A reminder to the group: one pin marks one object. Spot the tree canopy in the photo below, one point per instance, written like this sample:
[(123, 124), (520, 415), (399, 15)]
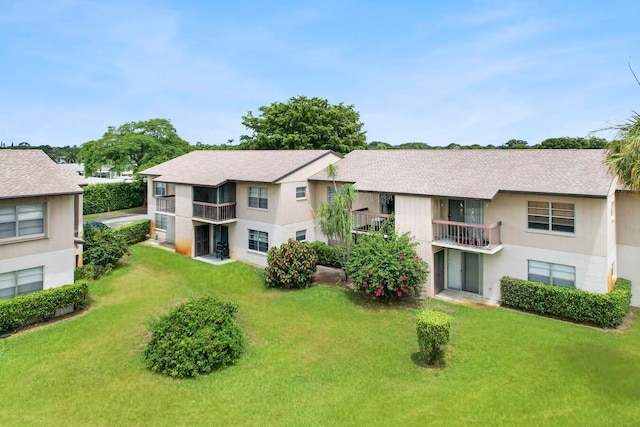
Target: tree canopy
[(134, 146), (623, 157), (304, 123), (568, 142)]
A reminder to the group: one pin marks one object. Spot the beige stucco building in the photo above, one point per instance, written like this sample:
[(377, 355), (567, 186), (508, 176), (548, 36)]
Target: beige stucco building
[(40, 223), (554, 216), (237, 202)]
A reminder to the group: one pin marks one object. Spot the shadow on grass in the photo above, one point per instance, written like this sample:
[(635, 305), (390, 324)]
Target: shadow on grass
[(420, 361), (364, 300)]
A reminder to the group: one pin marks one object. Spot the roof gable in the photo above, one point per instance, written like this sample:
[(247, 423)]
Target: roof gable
[(213, 168), (25, 173)]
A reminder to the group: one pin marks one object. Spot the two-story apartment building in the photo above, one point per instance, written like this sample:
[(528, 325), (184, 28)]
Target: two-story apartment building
[(242, 201), (478, 215), (40, 223)]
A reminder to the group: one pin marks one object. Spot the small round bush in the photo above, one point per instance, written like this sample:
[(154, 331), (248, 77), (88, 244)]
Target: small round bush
[(196, 337), (292, 265), (433, 328)]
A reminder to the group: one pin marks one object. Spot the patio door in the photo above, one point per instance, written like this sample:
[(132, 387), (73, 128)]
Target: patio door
[(463, 271), (438, 266), (202, 240)]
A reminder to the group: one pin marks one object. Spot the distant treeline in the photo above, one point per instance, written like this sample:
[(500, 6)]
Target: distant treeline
[(70, 154), (562, 142)]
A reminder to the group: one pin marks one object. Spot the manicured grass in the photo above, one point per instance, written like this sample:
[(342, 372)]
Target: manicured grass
[(318, 356), (111, 214)]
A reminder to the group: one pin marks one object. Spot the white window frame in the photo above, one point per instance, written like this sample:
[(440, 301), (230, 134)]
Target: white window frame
[(258, 197), (301, 193), (551, 215), (159, 189), (301, 235), (552, 274), (160, 218), (14, 280), (258, 241), (23, 213)]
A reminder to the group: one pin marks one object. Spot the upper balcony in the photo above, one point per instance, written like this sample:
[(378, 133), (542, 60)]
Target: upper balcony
[(166, 204), (215, 204), (215, 212), (480, 238), (365, 221)]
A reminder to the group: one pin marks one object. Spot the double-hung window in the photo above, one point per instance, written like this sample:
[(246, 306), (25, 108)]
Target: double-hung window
[(301, 192), (258, 197), (21, 220), (21, 282), (258, 241), (161, 221), (552, 274), (160, 189), (331, 193), (551, 216)]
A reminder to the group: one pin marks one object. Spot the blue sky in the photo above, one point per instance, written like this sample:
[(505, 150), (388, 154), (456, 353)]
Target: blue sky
[(469, 72)]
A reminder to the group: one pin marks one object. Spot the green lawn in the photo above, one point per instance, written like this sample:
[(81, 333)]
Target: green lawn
[(315, 357)]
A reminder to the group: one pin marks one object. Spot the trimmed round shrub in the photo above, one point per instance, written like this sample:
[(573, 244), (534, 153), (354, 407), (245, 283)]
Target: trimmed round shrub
[(196, 337), (386, 265), (291, 265), (433, 328)]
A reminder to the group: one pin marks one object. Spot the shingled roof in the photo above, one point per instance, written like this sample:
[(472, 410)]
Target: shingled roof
[(477, 174), (25, 173), (213, 168)]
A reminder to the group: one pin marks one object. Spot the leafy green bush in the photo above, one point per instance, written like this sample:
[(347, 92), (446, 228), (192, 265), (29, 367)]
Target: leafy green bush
[(134, 232), (330, 256), (103, 248), (194, 338), (604, 310), (17, 312), (99, 198), (386, 265), (433, 329), (292, 265)]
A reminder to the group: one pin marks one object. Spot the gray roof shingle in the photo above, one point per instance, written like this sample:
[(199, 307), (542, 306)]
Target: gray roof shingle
[(478, 174), (25, 173), (213, 168)]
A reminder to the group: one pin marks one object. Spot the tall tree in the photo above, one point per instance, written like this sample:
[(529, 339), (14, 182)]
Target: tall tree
[(134, 146), (623, 157), (304, 123)]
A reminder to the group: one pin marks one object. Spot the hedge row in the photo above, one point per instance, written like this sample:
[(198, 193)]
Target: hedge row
[(134, 232), (99, 198), (604, 310), (23, 310)]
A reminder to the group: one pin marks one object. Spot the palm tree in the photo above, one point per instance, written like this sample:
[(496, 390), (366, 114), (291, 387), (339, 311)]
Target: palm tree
[(623, 157), (334, 217)]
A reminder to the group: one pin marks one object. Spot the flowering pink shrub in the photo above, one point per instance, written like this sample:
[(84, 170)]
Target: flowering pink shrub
[(292, 265), (386, 265)]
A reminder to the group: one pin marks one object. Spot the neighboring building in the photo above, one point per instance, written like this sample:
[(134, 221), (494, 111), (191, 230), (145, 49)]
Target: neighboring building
[(244, 201), (479, 215), (40, 223)]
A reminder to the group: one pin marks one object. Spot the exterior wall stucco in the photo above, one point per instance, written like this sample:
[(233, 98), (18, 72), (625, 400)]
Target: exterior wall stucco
[(58, 265)]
